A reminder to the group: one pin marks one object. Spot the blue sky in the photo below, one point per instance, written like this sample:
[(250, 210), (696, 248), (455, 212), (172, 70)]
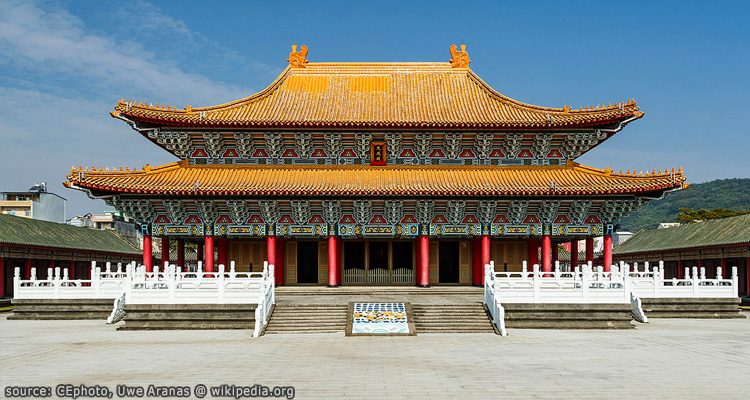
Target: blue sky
[(63, 65)]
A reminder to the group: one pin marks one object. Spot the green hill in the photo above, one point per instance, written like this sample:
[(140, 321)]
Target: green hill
[(733, 194)]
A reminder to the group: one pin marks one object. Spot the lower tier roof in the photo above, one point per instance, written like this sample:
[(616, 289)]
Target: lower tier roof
[(182, 178)]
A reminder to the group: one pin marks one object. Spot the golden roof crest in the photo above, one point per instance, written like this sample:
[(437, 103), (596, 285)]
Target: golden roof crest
[(459, 59), (298, 59)]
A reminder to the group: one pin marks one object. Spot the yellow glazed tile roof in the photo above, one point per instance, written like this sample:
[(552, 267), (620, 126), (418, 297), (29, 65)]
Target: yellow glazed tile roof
[(378, 95), (181, 178)]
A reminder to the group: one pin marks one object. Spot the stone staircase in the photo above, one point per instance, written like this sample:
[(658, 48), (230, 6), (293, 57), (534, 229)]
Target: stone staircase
[(568, 316), (188, 316), (308, 318), (451, 318), (61, 309), (692, 308)]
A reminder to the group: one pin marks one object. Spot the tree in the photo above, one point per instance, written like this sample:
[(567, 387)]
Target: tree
[(687, 215)]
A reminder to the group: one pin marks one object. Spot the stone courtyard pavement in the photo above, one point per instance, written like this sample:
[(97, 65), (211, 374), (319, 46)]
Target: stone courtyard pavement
[(666, 359)]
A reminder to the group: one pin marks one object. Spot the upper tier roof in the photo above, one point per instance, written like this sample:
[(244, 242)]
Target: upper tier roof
[(436, 95), (184, 179)]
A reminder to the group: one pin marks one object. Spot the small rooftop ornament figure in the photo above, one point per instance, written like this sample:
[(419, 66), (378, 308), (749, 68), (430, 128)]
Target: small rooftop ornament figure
[(298, 59), (459, 59)]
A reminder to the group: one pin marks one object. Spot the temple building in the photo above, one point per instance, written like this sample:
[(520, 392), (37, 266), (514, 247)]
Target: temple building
[(376, 173)]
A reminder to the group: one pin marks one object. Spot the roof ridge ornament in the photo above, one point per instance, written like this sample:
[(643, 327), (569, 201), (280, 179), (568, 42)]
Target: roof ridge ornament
[(298, 59), (459, 59)]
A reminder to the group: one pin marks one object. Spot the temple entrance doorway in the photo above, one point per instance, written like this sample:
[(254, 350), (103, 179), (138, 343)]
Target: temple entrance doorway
[(378, 262), (307, 262), (448, 262)]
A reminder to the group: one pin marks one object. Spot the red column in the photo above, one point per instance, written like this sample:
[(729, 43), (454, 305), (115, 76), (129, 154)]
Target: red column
[(181, 253), (573, 255), (589, 249), (278, 268), (476, 262), (333, 265), (209, 243), (423, 263), (546, 253), (2, 277), (223, 245), (724, 272), (164, 251), (271, 250), (607, 252), (148, 259), (533, 256), (72, 269), (485, 253), (680, 270), (747, 276)]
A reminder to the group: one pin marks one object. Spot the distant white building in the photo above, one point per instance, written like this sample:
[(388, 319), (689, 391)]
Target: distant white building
[(35, 203), (112, 220)]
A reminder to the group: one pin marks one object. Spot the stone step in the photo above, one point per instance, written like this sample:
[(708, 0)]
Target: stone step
[(186, 316), (697, 315), (63, 308), (279, 331), (551, 324), (70, 315), (285, 322), (187, 325), (66, 309), (297, 311), (692, 308), (455, 329), (594, 316)]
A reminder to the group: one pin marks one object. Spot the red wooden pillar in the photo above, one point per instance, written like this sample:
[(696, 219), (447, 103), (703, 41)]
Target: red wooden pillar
[(148, 259), (72, 269), (747, 276), (607, 252), (271, 250), (533, 255), (209, 243), (423, 262), (27, 269), (2, 277), (181, 253), (589, 249), (680, 270), (546, 253), (164, 251), (485, 253), (476, 262), (724, 272), (333, 264), (278, 268), (573, 255), (223, 246)]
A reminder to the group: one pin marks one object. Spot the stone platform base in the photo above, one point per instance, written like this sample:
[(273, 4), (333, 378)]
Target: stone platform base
[(568, 316), (692, 308), (62, 309), (188, 316)]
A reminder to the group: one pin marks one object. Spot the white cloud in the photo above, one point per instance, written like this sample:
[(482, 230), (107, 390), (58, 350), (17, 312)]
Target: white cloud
[(44, 39), (50, 120)]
